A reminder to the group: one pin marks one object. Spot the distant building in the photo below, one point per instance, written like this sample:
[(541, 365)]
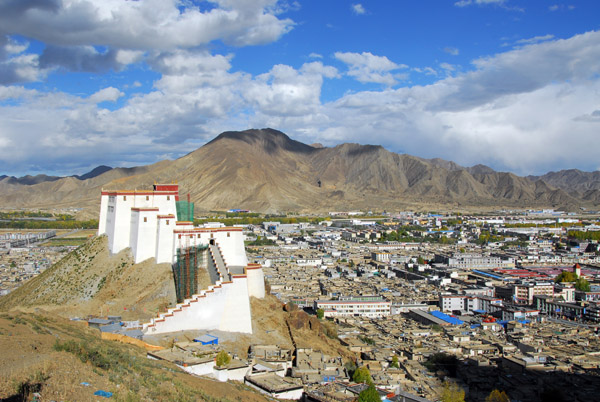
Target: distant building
[(364, 306)]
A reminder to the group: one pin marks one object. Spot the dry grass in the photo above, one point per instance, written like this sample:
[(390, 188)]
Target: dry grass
[(31, 358)]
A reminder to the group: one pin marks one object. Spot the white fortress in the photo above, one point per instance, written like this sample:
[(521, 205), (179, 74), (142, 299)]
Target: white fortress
[(147, 223)]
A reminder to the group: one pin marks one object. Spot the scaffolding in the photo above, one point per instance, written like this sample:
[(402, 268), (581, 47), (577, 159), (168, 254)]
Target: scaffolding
[(185, 210), (185, 270)]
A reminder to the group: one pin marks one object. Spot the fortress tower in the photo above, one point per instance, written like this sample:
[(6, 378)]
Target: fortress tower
[(156, 224)]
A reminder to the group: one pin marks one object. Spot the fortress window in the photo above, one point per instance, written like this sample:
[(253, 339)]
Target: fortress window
[(147, 198), (211, 236), (145, 219), (167, 222), (124, 198), (228, 234), (168, 197)]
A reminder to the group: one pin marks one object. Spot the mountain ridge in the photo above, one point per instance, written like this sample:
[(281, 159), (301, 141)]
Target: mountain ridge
[(265, 170)]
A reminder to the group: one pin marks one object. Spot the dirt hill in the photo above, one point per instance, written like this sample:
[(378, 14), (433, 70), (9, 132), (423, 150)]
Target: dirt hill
[(90, 281), (66, 361), (264, 170)]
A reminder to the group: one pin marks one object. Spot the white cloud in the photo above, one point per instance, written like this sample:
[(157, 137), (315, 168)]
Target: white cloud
[(315, 56), (464, 3), (535, 39), (109, 94), (451, 50), (366, 67), (150, 24), (516, 110), (358, 9)]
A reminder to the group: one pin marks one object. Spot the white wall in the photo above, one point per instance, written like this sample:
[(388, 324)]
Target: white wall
[(225, 307), (142, 239), (256, 281), (103, 212), (165, 239)]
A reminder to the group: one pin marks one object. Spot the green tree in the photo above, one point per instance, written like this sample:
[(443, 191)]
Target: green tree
[(369, 395), (420, 260), (497, 396), (395, 363), (362, 375), (566, 276), (452, 393), (223, 359), (583, 285), (320, 313)]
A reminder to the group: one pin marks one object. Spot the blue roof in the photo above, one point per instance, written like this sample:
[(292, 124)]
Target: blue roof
[(488, 274), (446, 317)]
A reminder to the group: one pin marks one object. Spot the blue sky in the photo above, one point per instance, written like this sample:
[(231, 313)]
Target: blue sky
[(511, 84)]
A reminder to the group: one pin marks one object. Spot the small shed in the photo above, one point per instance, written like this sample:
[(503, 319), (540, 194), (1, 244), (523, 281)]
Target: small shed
[(207, 339)]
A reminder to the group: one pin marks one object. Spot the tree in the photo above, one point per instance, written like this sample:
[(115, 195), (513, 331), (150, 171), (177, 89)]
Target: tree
[(369, 395), (395, 363), (420, 260), (497, 396), (320, 313), (566, 276), (583, 285), (362, 375), (452, 393), (223, 359)]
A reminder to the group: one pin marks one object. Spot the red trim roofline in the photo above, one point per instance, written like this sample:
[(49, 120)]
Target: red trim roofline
[(145, 209), (207, 230), (141, 193)]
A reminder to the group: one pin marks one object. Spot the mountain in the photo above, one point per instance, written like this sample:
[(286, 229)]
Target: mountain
[(97, 171), (265, 170), (41, 178)]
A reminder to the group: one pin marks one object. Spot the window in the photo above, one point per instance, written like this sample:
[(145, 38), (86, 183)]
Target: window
[(228, 234), (168, 197), (145, 219), (167, 222), (124, 198), (147, 198)]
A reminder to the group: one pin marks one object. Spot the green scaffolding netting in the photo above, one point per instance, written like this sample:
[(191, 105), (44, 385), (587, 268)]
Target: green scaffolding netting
[(185, 271), (185, 211)]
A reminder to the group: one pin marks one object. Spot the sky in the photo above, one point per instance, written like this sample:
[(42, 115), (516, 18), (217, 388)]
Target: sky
[(512, 84)]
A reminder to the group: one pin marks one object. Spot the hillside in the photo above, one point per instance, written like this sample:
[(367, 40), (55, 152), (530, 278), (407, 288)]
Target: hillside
[(91, 281), (45, 352), (266, 171), (57, 358)]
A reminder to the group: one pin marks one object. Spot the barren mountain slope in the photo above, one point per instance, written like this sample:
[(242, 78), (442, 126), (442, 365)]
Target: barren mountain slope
[(264, 170)]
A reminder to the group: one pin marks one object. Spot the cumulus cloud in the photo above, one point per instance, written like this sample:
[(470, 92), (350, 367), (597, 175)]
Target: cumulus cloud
[(358, 9), (151, 24), (501, 112), (366, 67), (15, 66)]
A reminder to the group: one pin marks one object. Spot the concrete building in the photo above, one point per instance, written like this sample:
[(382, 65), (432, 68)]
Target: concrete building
[(364, 306)]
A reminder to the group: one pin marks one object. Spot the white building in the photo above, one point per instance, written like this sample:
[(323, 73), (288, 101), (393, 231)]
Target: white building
[(147, 223), (362, 306)]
